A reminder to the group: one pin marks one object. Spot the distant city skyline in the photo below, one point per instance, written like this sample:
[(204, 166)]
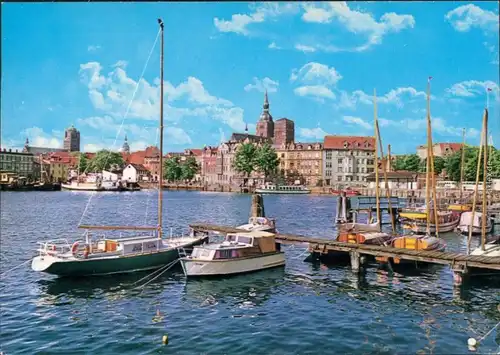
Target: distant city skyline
[(216, 74)]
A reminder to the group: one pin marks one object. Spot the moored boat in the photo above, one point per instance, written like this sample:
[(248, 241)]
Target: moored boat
[(417, 221), (282, 189), (262, 224), (348, 192), (109, 256), (238, 253), (466, 223)]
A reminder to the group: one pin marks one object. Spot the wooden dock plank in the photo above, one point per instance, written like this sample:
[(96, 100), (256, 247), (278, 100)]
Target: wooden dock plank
[(328, 244)]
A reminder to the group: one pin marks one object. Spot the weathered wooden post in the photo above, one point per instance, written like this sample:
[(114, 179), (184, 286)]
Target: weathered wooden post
[(257, 209)]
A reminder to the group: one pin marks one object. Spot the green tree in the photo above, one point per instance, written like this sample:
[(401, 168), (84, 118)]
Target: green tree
[(399, 163), (83, 161), (104, 160), (189, 168), (172, 169), (412, 162), (439, 165), (267, 160), (245, 160)]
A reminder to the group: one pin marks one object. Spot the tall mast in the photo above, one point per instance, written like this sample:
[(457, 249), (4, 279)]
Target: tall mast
[(462, 166), (377, 194), (384, 167), (431, 164), (485, 172), (428, 161), (474, 200), (160, 180)]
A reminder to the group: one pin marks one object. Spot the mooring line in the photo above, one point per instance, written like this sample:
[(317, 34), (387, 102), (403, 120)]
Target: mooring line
[(15, 267), (166, 268)]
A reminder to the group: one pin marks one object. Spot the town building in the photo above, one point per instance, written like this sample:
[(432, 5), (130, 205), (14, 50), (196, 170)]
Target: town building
[(208, 165), (348, 160), (406, 180), (39, 150), (265, 125), (303, 161), (72, 139), (439, 150), (284, 132), (135, 173), (23, 164)]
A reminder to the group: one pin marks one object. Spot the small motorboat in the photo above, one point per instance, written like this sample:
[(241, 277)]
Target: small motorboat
[(466, 223), (262, 224), (348, 192), (238, 253)]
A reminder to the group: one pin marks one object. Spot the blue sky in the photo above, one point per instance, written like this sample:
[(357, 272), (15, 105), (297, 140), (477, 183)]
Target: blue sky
[(79, 63)]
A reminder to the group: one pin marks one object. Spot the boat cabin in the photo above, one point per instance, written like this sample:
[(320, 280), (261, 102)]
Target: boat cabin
[(238, 245)]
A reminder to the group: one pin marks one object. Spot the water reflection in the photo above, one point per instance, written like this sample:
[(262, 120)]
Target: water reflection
[(245, 290)]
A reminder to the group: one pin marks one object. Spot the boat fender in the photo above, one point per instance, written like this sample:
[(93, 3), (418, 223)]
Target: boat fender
[(164, 339), (74, 248)]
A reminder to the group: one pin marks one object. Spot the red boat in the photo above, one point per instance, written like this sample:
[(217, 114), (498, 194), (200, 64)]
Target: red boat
[(348, 192)]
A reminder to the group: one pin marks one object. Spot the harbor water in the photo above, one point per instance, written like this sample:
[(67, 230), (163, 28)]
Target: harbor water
[(303, 308)]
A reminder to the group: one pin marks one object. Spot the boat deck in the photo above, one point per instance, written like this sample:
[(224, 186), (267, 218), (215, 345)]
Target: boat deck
[(457, 261)]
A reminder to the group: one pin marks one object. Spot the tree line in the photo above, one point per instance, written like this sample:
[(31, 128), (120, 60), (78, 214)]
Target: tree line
[(451, 164), (251, 158)]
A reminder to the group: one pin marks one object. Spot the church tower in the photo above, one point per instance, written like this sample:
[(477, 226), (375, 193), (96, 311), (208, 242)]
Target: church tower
[(265, 125), (125, 146)]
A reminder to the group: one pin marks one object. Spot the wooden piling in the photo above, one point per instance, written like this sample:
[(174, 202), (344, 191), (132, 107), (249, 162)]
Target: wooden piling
[(257, 209)]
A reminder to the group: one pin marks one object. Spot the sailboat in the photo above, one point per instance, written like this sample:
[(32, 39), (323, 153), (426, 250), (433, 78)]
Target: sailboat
[(492, 248), (433, 221), (420, 220), (110, 256), (371, 232)]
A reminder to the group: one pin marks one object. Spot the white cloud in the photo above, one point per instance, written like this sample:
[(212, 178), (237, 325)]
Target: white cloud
[(304, 48), (357, 122), (38, 138), (316, 133), (111, 94), (121, 63), (318, 79), (356, 22), (473, 88), (394, 97), (262, 85), (93, 48), (465, 17), (264, 11), (317, 91), (273, 45), (316, 73)]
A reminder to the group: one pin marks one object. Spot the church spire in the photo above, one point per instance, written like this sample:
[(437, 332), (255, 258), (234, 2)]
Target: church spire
[(266, 116)]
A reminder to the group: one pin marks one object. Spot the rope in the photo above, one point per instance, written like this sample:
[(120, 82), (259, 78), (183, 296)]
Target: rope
[(15, 267), (484, 337), (167, 267), (124, 117)]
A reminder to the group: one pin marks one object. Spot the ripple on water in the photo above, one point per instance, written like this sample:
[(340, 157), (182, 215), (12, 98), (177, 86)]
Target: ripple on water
[(301, 309)]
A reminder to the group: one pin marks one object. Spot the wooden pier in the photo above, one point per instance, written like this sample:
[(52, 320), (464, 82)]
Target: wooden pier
[(459, 263)]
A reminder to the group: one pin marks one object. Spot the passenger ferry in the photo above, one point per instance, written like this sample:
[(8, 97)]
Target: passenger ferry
[(282, 189)]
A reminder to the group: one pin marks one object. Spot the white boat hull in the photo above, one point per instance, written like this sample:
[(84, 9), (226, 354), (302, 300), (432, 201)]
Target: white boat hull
[(81, 187), (196, 267), (297, 192), (475, 229)]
